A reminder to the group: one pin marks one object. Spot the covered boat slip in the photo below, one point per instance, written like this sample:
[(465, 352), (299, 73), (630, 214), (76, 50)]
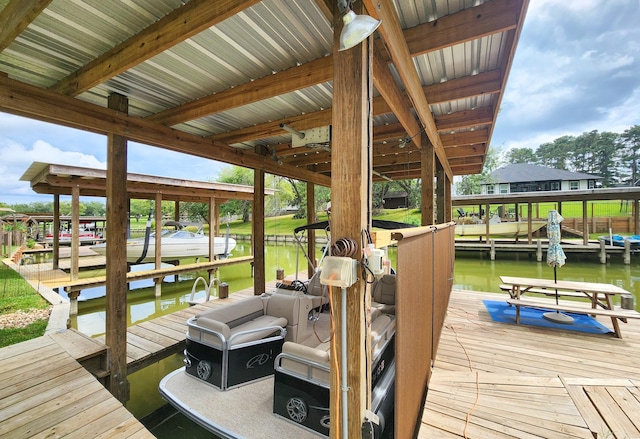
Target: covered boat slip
[(430, 116)]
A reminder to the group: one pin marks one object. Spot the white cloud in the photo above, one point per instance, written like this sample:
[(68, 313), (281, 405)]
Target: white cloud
[(16, 159)]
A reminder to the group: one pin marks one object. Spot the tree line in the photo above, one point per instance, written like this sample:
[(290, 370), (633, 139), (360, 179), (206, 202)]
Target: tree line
[(614, 157)]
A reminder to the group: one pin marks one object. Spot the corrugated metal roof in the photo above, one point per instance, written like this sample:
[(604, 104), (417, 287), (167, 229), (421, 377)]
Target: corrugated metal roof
[(264, 39)]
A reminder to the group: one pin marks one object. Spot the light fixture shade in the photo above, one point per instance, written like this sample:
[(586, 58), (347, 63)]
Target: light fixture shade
[(356, 29)]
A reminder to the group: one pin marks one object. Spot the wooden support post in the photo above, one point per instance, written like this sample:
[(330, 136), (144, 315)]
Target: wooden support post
[(529, 215), (636, 217), (216, 220), (585, 223), (257, 220), (447, 198), (116, 276), (311, 234), (73, 302), (627, 252), (487, 218), (75, 232), (603, 252), (56, 231), (158, 242), (212, 229), (427, 169), (539, 250), (351, 156), (492, 252), (440, 191)]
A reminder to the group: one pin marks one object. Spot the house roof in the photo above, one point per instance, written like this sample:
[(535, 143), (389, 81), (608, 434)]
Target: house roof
[(524, 172), (217, 79)]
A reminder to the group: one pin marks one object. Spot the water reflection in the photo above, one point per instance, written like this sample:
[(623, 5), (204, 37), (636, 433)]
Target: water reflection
[(482, 274), (475, 273)]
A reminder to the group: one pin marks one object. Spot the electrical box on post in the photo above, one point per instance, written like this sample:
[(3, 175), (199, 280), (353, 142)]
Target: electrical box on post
[(339, 271)]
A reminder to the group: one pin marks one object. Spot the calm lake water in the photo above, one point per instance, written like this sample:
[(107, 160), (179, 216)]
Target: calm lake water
[(473, 272)]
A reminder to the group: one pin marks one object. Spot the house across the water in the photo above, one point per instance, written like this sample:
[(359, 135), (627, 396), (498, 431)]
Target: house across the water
[(524, 177)]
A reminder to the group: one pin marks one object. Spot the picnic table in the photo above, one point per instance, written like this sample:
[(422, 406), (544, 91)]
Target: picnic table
[(599, 295)]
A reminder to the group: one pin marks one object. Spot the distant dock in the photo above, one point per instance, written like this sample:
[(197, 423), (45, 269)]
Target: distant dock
[(538, 249)]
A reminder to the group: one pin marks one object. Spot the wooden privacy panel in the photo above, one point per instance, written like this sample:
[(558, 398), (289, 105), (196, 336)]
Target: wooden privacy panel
[(444, 248), (423, 285)]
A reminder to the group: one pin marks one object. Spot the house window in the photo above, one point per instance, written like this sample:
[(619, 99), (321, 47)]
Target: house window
[(489, 188), (592, 184), (574, 185), (504, 188), (555, 185)]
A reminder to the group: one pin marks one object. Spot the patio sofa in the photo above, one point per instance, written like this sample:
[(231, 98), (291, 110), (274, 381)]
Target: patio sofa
[(237, 343), (302, 378)]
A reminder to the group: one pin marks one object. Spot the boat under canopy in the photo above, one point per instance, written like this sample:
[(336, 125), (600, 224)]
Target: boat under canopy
[(174, 244), (504, 229)]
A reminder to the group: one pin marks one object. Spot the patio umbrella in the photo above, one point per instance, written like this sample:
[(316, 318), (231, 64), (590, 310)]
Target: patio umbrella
[(555, 258)]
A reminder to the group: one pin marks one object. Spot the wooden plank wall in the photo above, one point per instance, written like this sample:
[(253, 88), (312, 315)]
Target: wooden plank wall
[(425, 265)]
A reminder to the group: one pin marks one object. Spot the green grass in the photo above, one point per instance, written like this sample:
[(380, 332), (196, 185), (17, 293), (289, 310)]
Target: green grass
[(570, 209), (9, 336), (15, 295)]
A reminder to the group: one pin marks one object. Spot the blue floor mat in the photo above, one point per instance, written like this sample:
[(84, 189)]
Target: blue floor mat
[(503, 313)]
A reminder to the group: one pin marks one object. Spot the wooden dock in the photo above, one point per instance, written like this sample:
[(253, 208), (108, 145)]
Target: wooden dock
[(505, 381), (489, 380), (81, 284), (45, 392), (539, 251)]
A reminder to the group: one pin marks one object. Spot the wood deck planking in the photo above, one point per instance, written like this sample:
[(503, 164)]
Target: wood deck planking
[(542, 382), (532, 382)]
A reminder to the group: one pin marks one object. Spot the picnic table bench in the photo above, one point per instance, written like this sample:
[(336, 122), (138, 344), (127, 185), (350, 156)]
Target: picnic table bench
[(600, 296)]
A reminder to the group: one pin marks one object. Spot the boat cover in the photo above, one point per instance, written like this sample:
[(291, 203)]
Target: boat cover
[(380, 224)]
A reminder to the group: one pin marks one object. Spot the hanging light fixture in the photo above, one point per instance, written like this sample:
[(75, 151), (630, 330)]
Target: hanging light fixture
[(356, 27)]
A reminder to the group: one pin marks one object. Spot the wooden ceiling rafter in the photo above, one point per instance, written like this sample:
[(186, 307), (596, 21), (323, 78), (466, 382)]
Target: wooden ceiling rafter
[(19, 98), (184, 22), (391, 32), (16, 16)]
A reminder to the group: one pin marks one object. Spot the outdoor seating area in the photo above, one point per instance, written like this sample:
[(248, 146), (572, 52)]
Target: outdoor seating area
[(504, 381), (302, 372), (223, 344), (599, 295)]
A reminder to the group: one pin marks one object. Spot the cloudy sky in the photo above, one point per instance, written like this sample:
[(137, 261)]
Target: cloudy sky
[(576, 69)]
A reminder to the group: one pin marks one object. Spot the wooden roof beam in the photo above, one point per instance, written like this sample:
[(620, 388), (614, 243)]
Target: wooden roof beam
[(468, 86), (26, 100), (392, 33), (177, 26), (465, 161), (469, 24), (290, 80), (398, 102), (466, 138), (461, 88), (464, 119), (282, 82), (479, 149), (468, 170), (272, 128), (16, 16)]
